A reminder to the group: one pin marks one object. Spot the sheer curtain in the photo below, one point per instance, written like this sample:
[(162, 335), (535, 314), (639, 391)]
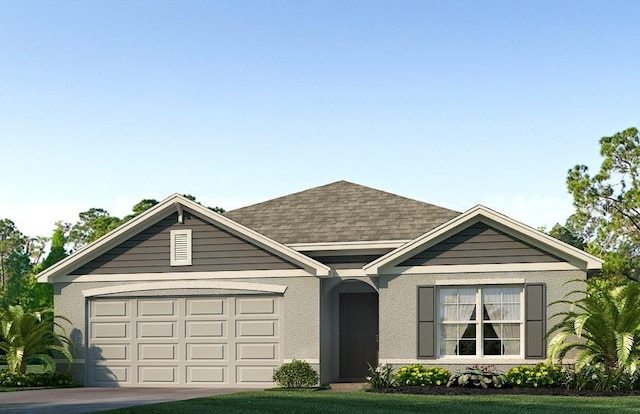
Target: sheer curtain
[(457, 306), (503, 304)]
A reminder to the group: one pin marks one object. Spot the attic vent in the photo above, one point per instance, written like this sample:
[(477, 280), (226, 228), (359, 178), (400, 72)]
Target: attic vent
[(181, 247)]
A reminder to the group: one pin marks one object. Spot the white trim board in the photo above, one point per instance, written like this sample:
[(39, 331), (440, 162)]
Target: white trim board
[(140, 277), (184, 284)]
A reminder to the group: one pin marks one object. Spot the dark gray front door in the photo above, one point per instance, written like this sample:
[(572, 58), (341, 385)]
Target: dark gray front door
[(358, 334)]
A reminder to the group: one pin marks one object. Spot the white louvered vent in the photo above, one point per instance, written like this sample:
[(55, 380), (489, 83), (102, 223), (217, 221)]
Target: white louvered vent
[(181, 247)]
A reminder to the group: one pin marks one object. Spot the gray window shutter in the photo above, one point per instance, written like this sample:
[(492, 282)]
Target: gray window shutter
[(535, 321), (426, 322)]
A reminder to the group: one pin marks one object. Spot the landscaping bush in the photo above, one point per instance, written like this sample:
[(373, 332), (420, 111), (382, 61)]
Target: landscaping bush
[(420, 375), (296, 374), (540, 375), (478, 376), (33, 379), (380, 377)]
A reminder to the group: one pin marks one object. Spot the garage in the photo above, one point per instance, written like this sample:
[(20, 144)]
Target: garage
[(194, 341)]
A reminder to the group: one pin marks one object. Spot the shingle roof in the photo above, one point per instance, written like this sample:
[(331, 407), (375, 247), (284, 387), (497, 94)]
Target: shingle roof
[(341, 212)]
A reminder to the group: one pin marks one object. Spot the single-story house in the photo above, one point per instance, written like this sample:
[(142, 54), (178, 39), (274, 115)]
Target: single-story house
[(340, 276)]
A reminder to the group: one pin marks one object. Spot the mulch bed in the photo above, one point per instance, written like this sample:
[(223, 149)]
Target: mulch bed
[(431, 390)]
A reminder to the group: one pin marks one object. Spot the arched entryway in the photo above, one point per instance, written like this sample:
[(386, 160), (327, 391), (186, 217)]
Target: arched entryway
[(357, 304)]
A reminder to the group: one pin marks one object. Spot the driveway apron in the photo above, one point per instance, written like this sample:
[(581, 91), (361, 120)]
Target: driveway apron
[(92, 399)]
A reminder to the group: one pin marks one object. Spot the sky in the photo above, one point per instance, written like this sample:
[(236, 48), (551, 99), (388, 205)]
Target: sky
[(455, 103)]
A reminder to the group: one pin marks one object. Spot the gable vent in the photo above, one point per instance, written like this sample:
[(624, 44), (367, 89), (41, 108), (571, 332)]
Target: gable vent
[(181, 247)]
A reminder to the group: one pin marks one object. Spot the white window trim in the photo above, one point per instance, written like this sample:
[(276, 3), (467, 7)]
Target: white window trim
[(479, 322), (187, 261)]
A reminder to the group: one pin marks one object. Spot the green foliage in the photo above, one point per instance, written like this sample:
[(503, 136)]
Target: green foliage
[(12, 247), (608, 203), (541, 375), (93, 224), (380, 377), (478, 376), (29, 337), (296, 374), (602, 327), (35, 379), (420, 375)]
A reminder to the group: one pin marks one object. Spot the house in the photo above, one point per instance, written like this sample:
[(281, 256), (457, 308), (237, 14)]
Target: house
[(340, 276)]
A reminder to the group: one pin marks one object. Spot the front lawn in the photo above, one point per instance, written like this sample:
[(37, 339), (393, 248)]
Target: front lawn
[(362, 402)]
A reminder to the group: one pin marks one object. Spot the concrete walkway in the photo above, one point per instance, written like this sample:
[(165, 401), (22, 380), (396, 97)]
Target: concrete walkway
[(91, 399)]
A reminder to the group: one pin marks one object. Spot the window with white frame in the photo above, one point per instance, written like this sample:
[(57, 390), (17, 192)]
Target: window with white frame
[(480, 321)]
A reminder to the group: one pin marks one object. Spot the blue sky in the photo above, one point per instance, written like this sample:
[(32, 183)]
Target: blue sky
[(455, 103)]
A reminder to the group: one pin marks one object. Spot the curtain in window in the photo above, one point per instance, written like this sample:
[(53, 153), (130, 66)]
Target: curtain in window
[(503, 304), (457, 306)]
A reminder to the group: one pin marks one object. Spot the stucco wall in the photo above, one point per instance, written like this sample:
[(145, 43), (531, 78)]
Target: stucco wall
[(300, 314), (398, 310)]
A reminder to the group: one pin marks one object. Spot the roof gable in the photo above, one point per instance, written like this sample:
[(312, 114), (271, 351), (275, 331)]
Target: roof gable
[(530, 237), (180, 205), (341, 212)]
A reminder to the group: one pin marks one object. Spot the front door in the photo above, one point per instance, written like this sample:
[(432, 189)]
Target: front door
[(358, 334)]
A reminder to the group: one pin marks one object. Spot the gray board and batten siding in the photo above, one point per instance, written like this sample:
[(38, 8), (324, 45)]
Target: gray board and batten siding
[(213, 249), (480, 244)]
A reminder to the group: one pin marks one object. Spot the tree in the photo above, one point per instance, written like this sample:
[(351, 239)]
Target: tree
[(608, 203), (218, 210), (93, 224), (28, 337), (12, 243)]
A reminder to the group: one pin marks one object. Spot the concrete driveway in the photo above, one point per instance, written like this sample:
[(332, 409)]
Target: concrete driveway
[(91, 399)]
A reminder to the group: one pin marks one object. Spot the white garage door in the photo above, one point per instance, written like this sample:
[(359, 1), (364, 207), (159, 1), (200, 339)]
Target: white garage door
[(187, 341)]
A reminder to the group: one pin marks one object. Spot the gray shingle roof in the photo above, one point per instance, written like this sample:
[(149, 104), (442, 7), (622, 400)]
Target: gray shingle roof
[(341, 212)]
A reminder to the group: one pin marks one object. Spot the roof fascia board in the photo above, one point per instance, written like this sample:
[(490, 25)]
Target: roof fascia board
[(156, 213), (576, 256)]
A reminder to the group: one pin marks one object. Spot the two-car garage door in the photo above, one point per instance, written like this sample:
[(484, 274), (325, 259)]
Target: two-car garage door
[(188, 341)]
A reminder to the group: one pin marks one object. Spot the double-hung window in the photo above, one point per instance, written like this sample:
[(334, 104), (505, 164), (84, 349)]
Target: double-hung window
[(480, 321)]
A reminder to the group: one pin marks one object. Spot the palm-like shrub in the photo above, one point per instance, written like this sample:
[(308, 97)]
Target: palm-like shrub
[(602, 328), (29, 337)]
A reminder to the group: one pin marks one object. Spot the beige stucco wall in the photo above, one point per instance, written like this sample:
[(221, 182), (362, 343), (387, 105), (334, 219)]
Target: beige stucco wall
[(398, 310), (300, 314)]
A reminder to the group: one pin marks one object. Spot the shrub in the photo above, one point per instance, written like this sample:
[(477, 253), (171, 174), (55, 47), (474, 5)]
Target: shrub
[(28, 337), (296, 374), (420, 375), (597, 377), (540, 375), (32, 379), (380, 377), (478, 376)]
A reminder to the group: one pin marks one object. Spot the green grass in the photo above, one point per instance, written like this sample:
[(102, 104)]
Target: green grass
[(371, 403)]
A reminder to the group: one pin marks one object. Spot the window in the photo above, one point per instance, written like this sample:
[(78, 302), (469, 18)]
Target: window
[(181, 247), (480, 321)]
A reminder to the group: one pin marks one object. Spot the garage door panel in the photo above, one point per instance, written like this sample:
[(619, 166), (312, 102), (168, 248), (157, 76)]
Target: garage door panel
[(110, 330), (148, 352), (157, 374), (204, 375), (112, 308), (206, 329), (206, 307), (255, 306), (253, 351), (252, 328), (108, 375), (116, 352), (156, 330), (213, 352), (156, 308), (254, 374)]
